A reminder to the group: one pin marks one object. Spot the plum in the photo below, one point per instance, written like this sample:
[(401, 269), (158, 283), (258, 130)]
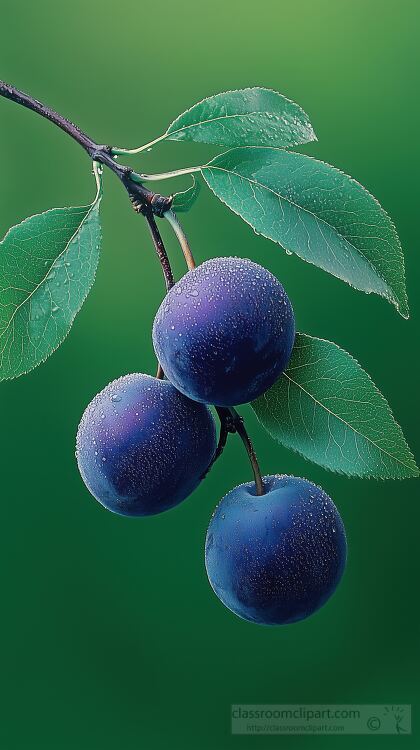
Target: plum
[(225, 332), (142, 446), (275, 559)]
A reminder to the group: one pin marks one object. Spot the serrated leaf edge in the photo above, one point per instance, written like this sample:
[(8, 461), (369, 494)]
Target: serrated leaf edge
[(401, 305), (90, 208), (413, 469), (311, 131)]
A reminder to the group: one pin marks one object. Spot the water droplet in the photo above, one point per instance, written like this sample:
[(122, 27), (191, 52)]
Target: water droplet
[(115, 397)]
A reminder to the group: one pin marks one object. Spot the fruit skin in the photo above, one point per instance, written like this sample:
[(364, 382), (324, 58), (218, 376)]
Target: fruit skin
[(277, 558), (225, 332), (142, 446)]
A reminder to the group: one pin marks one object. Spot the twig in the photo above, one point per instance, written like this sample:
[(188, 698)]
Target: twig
[(132, 181)]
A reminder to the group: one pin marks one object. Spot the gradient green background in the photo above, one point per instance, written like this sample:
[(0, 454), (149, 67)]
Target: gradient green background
[(110, 635)]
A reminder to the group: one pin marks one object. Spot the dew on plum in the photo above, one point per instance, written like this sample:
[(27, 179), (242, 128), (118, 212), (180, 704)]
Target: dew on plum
[(142, 447), (225, 332), (277, 558)]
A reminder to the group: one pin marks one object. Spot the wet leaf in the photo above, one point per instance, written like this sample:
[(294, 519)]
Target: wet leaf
[(47, 267), (326, 407), (315, 211), (248, 117)]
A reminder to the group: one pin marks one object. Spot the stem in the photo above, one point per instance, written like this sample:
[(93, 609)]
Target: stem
[(164, 263), (97, 171), (169, 175), (225, 429), (182, 238), (97, 152), (147, 146), (238, 423), (160, 250)]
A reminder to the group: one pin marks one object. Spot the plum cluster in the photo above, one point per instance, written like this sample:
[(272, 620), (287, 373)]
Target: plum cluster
[(223, 335)]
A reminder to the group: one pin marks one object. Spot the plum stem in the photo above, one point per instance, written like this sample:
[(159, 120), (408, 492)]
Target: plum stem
[(225, 429), (164, 264), (160, 249), (239, 425), (181, 237)]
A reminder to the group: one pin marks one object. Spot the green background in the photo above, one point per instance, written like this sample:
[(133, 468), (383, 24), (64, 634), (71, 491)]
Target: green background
[(110, 634)]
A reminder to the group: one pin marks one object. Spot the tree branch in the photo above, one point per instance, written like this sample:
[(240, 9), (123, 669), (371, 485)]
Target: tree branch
[(131, 180)]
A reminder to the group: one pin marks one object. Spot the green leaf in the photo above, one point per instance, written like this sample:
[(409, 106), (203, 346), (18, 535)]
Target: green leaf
[(185, 199), (248, 117), (47, 267), (328, 409), (315, 211)]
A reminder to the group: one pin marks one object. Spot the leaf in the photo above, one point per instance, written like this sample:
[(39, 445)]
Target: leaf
[(185, 199), (315, 211), (47, 267), (248, 117), (328, 409)]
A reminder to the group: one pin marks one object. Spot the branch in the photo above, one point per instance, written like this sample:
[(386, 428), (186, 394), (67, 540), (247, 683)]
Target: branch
[(131, 180), (163, 260), (160, 249)]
